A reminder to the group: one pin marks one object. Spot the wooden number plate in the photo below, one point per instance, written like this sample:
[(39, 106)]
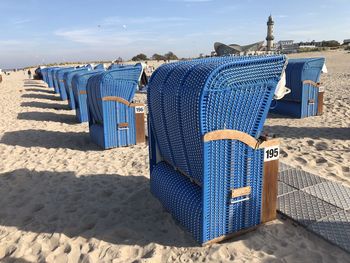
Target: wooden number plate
[(271, 153), (139, 109)]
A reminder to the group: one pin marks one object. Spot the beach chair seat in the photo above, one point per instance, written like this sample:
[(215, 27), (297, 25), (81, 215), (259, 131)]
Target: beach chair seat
[(306, 96), (206, 162), (79, 84), (112, 115)]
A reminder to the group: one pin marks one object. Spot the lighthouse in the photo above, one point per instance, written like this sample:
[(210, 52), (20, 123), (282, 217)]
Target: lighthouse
[(269, 37)]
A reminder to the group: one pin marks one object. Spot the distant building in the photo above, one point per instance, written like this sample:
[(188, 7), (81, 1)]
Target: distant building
[(234, 49), (306, 46), (346, 42), (287, 46), (270, 37)]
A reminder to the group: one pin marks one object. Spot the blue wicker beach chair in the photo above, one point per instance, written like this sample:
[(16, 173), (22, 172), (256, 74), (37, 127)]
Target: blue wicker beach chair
[(50, 77), (68, 76), (206, 162), (55, 79), (79, 83), (99, 67), (44, 74), (111, 111), (61, 81), (306, 97)]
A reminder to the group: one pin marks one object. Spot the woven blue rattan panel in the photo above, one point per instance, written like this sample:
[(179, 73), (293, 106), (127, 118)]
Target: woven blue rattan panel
[(61, 82), (121, 83), (99, 67), (79, 84), (191, 98), (179, 196), (50, 77), (44, 74), (212, 92), (296, 103), (68, 76), (55, 80), (232, 165)]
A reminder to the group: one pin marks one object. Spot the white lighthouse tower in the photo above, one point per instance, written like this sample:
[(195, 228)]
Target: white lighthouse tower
[(270, 37)]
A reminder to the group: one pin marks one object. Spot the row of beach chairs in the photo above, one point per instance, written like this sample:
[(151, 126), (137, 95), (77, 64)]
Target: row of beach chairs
[(210, 165), (104, 98)]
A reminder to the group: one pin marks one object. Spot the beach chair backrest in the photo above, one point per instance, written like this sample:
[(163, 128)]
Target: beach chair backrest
[(189, 99), (299, 70)]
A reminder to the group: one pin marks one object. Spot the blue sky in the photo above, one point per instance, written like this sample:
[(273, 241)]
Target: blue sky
[(44, 31)]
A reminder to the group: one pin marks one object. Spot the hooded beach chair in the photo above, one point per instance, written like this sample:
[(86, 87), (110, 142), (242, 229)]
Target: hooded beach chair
[(61, 81), (206, 158), (306, 96), (55, 79), (79, 83), (68, 77), (44, 74), (50, 77), (112, 115), (99, 67)]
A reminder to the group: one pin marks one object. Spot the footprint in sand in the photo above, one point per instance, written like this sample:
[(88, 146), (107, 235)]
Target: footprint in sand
[(321, 146), (301, 160), (310, 142), (321, 160)]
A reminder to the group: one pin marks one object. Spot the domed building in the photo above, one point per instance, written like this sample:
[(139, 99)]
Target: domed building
[(234, 49), (255, 48)]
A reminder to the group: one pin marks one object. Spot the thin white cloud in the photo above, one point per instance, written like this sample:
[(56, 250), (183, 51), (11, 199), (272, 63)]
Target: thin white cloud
[(117, 20), (281, 16), (21, 21), (108, 37), (197, 1)]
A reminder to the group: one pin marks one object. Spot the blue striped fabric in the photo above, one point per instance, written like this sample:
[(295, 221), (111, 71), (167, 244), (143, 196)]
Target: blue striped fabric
[(61, 81), (188, 99), (68, 76), (99, 67), (50, 77), (104, 116), (296, 104), (44, 73)]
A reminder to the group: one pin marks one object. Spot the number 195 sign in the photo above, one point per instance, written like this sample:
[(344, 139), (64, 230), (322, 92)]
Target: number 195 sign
[(271, 153)]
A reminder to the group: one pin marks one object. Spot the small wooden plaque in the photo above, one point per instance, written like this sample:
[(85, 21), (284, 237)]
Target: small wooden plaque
[(270, 191), (320, 103), (241, 191), (123, 125), (140, 127)]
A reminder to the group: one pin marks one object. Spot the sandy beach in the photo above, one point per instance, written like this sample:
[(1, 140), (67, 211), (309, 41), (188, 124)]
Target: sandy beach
[(63, 199)]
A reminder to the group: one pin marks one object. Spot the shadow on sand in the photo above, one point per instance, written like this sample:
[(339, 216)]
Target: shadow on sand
[(40, 96), (47, 116), (37, 104), (40, 90), (116, 209), (50, 139), (309, 132), (121, 210)]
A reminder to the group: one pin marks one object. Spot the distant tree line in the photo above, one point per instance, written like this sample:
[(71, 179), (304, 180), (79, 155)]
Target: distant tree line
[(324, 43), (168, 56)]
